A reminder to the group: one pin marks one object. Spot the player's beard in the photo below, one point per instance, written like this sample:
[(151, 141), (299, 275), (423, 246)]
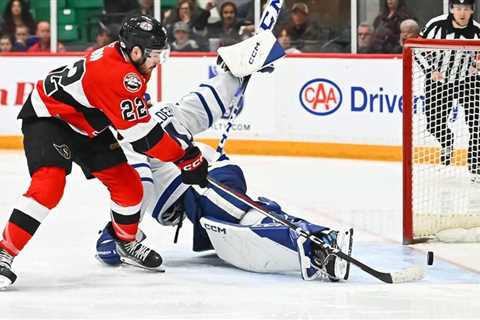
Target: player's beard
[(146, 71)]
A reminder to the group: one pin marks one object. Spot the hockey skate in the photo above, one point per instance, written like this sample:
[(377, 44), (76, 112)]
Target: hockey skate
[(335, 267), (7, 277), (114, 252), (316, 262)]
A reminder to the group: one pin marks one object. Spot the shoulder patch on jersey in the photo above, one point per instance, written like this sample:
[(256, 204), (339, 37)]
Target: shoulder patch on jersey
[(132, 82)]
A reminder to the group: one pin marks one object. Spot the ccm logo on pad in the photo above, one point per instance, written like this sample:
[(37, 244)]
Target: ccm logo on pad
[(215, 228)]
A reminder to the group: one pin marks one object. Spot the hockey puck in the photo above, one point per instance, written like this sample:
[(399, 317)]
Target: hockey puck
[(430, 258)]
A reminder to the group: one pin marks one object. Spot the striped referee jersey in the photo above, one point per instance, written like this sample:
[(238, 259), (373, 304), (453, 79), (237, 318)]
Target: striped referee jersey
[(452, 64)]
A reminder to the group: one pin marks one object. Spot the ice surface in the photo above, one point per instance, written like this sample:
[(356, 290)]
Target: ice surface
[(59, 277)]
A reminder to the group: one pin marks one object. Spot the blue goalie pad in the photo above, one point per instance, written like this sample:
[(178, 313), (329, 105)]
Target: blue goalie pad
[(307, 253)]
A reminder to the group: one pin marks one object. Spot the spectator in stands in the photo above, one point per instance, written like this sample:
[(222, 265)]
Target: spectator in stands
[(364, 36), (6, 44), (227, 29), (195, 17), (387, 26), (21, 37), (43, 35), (182, 42), (304, 33), (408, 29), (17, 13), (285, 41), (144, 7), (106, 34)]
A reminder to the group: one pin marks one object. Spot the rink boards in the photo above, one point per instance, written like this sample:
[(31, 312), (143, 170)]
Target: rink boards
[(347, 106)]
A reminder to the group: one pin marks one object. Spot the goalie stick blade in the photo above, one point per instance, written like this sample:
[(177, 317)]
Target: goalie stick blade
[(409, 274), (414, 273)]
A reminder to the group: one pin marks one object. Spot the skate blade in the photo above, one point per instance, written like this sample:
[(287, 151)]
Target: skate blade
[(134, 264), (5, 283)]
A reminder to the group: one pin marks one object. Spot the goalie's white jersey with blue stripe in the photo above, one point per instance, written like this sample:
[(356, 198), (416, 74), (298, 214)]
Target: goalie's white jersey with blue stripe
[(192, 114)]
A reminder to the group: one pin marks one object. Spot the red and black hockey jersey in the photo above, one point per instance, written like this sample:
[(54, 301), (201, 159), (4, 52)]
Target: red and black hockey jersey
[(100, 90)]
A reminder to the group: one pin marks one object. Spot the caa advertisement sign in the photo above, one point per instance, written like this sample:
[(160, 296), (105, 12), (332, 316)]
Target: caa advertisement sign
[(348, 100), (323, 97), (320, 96)]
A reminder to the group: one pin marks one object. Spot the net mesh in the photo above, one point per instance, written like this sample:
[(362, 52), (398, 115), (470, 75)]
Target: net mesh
[(445, 127)]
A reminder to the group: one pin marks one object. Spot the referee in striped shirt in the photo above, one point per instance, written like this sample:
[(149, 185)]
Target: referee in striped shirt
[(452, 75)]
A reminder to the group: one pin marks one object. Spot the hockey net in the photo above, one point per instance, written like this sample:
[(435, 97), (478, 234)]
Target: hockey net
[(441, 199)]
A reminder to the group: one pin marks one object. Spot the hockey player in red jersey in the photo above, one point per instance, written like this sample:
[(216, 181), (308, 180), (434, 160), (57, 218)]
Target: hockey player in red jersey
[(67, 118)]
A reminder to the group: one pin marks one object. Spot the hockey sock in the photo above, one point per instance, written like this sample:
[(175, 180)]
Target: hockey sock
[(126, 194), (126, 226), (23, 223), (45, 191)]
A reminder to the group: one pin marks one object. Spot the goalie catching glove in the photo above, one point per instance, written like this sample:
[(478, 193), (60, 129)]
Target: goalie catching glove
[(194, 167), (251, 55)]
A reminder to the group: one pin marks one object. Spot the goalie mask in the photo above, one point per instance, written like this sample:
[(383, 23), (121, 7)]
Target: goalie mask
[(146, 33)]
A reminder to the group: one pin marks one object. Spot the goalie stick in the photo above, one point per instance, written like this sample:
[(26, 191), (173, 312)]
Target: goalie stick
[(237, 103), (267, 22), (406, 275)]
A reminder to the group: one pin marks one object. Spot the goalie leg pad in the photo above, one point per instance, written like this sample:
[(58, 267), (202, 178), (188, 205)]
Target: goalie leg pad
[(264, 246), (251, 248), (252, 54)]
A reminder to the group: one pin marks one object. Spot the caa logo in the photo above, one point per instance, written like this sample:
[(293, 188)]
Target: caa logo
[(320, 97)]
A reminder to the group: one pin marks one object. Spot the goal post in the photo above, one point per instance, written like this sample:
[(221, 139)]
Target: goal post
[(439, 158)]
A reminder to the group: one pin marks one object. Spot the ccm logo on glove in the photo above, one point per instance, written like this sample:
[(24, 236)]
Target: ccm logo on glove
[(254, 53), (191, 165), (194, 167)]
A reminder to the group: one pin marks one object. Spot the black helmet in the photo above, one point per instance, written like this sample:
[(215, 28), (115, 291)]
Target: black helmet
[(142, 31), (466, 2)]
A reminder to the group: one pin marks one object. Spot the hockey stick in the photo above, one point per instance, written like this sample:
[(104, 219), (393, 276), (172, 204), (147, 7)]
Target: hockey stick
[(267, 22), (236, 102), (406, 275)]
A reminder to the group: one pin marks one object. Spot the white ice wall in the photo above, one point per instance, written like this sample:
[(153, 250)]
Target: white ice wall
[(324, 98)]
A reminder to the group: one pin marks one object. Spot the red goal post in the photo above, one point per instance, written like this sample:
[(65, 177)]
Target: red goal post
[(435, 197)]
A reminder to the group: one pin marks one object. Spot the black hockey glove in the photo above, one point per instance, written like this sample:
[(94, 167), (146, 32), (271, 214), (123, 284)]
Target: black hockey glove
[(194, 167)]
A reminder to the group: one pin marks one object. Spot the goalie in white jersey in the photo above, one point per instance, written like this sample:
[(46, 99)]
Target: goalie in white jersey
[(240, 235)]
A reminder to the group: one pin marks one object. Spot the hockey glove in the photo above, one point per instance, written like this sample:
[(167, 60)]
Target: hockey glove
[(194, 167)]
